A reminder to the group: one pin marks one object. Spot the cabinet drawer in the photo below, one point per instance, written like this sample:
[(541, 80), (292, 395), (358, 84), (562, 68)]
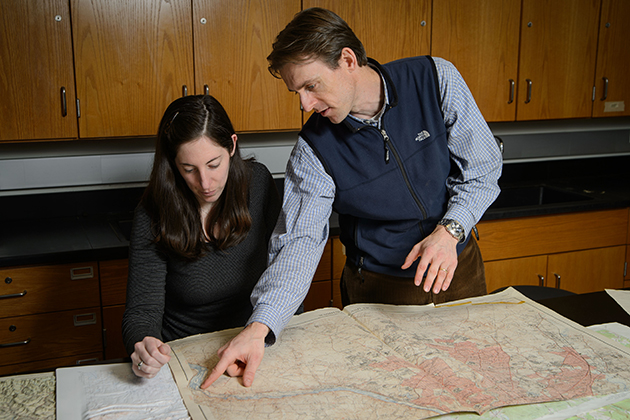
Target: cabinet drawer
[(114, 275), (512, 238), (50, 364), (39, 289), (38, 337)]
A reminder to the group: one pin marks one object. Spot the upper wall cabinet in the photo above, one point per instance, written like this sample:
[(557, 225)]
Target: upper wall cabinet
[(389, 30), (481, 39), (132, 59), (557, 59), (36, 76), (232, 41), (612, 84)]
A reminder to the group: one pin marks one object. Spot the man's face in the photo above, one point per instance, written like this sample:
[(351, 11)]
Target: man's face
[(327, 91)]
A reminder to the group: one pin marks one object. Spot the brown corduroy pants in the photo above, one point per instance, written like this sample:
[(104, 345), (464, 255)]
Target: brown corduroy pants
[(468, 281)]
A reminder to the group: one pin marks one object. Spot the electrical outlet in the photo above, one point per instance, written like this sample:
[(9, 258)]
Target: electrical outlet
[(618, 106)]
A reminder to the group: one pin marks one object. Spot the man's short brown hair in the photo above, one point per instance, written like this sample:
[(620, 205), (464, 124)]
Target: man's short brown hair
[(314, 33)]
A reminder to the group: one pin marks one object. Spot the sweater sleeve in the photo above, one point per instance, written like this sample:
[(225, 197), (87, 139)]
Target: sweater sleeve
[(145, 284)]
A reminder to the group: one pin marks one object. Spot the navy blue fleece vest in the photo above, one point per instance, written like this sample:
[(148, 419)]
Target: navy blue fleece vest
[(390, 183)]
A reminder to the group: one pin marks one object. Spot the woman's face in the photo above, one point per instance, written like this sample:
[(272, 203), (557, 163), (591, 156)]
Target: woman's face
[(204, 165)]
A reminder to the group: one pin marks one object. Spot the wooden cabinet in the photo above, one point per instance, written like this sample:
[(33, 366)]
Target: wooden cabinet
[(554, 55), (580, 252), (232, 41), (132, 59), (481, 39), (324, 289), (113, 275), (50, 317), (36, 76), (389, 30), (587, 271), (612, 85), (526, 271), (338, 263), (557, 59)]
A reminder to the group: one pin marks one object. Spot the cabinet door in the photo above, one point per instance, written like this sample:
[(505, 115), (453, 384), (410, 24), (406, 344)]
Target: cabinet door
[(613, 61), (232, 42), (36, 70), (557, 59), (389, 30), (481, 39), (516, 272), (132, 59), (587, 271)]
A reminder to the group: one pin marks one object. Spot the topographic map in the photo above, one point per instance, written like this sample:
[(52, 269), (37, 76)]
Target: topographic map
[(382, 361)]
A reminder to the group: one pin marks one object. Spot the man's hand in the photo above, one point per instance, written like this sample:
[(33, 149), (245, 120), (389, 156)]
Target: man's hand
[(149, 356), (438, 253), (241, 356)]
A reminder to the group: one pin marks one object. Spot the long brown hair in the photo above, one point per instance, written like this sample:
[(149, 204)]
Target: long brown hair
[(172, 206), (314, 33)]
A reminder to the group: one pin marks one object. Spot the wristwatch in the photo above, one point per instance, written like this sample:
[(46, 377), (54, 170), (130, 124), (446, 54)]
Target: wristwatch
[(453, 227)]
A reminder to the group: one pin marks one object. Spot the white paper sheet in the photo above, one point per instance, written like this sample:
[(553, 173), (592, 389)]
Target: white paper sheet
[(112, 391), (622, 297)]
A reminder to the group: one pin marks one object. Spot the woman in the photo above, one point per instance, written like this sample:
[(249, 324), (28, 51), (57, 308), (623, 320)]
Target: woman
[(199, 237)]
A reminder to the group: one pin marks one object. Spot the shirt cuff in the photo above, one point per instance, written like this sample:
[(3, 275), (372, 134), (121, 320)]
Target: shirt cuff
[(265, 315), (462, 216)]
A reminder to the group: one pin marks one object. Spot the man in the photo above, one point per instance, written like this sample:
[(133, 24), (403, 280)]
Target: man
[(401, 152)]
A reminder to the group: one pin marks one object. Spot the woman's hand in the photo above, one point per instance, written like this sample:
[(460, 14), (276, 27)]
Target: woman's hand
[(149, 356)]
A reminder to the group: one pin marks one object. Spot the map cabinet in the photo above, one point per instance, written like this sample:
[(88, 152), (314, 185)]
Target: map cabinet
[(50, 316), (580, 252)]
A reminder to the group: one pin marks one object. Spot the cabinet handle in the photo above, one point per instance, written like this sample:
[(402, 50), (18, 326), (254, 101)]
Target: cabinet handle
[(75, 273), (14, 295), (184, 90), (557, 280), (86, 361), (605, 79), (206, 90), (512, 87), (88, 319), (541, 280), (17, 343), (64, 104), (529, 91)]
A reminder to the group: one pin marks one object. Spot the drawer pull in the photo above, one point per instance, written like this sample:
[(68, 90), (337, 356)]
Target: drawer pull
[(14, 295), (86, 361), (84, 319), (17, 343), (81, 273)]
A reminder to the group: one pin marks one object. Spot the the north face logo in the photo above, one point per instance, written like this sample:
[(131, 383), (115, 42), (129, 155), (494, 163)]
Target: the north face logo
[(424, 134)]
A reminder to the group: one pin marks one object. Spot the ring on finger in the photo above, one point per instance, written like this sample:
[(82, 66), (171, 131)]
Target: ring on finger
[(140, 363), (444, 269)]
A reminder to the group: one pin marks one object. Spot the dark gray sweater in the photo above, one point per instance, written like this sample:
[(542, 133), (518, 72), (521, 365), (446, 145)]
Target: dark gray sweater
[(169, 298)]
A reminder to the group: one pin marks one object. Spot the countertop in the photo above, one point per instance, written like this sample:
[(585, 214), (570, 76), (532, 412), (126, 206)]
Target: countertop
[(81, 226)]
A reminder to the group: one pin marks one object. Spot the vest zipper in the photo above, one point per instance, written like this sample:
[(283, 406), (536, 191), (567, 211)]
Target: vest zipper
[(390, 146), (385, 143)]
